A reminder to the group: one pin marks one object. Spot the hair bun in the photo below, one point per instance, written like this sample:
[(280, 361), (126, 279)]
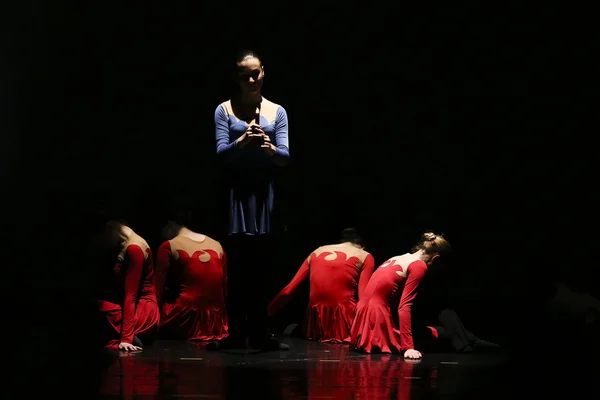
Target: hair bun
[(429, 236)]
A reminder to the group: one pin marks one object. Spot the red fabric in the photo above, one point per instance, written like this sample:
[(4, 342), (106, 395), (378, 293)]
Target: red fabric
[(133, 309), (434, 332), (199, 284), (334, 287), (290, 290), (373, 329), (365, 275)]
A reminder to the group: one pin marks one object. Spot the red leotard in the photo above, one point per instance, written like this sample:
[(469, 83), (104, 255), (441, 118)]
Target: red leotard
[(338, 276), (191, 282), (392, 285)]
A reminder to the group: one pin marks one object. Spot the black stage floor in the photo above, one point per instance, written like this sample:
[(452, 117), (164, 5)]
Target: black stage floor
[(309, 371)]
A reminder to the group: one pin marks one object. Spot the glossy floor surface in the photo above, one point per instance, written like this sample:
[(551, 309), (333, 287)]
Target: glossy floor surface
[(309, 371)]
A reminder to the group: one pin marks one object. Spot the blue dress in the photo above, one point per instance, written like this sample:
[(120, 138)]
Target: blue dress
[(250, 173)]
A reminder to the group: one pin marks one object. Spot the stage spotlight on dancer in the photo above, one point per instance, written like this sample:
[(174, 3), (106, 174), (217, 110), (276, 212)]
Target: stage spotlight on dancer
[(191, 283), (252, 142), (338, 275), (126, 295), (394, 285)]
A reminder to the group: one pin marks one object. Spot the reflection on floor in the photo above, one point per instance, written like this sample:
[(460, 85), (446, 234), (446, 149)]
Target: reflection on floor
[(309, 371)]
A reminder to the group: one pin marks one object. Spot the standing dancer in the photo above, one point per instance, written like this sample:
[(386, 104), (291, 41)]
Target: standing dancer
[(252, 142), (338, 276)]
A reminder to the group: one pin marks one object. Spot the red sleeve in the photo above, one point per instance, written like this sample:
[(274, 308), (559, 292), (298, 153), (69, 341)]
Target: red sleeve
[(224, 262), (134, 263), (163, 263), (365, 274), (415, 272), (286, 294)]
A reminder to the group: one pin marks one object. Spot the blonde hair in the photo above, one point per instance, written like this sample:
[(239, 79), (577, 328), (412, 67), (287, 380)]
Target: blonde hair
[(432, 243)]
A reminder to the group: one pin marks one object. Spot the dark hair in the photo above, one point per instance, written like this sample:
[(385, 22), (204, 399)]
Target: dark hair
[(106, 238), (353, 236), (240, 57), (432, 243), (245, 54), (112, 232), (105, 246), (171, 229), (181, 217)]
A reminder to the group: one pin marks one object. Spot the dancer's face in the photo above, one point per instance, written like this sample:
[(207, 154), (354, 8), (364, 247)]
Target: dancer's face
[(250, 75)]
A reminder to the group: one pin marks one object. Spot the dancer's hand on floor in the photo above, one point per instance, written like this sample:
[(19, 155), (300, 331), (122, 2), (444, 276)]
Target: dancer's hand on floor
[(128, 347), (412, 354)]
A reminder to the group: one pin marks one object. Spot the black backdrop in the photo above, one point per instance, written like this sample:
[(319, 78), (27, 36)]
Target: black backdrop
[(399, 122)]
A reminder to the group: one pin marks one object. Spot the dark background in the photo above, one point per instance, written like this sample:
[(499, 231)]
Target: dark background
[(401, 121)]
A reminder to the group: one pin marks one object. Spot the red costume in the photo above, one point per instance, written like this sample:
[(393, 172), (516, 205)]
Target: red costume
[(191, 282), (392, 285), (129, 304), (338, 277)]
